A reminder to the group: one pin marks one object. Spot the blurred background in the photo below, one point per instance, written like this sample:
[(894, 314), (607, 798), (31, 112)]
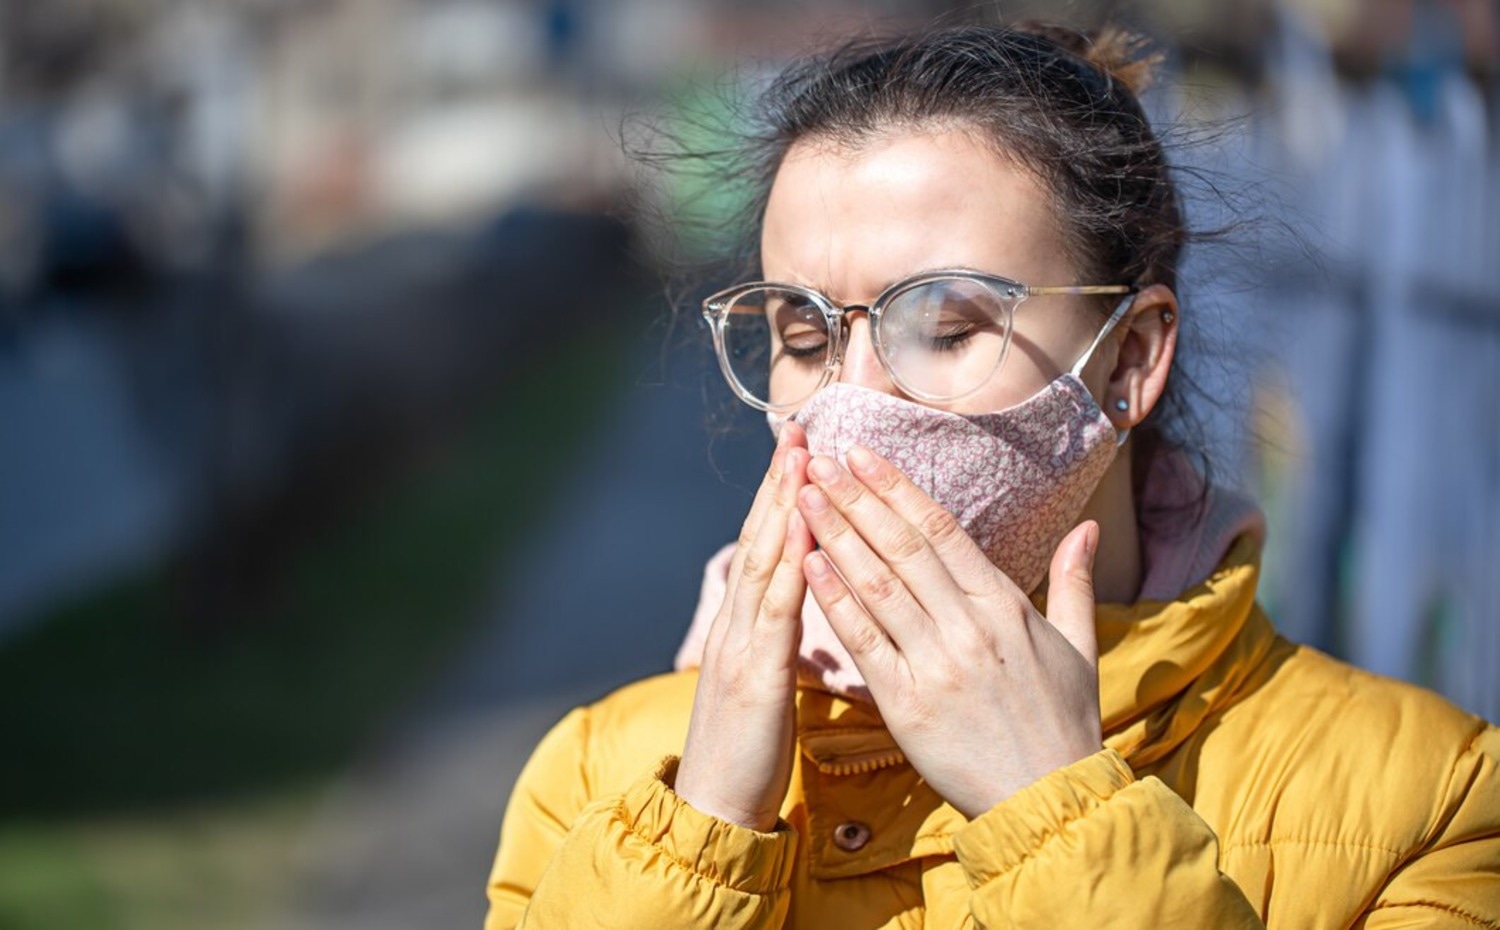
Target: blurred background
[(347, 437)]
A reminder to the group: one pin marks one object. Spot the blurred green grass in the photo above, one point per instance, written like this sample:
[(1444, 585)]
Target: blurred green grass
[(150, 779)]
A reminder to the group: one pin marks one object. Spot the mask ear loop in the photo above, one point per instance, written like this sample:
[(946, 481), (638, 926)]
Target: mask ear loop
[(1114, 319)]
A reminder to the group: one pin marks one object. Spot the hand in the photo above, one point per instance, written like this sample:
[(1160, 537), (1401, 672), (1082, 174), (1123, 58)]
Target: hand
[(737, 761), (981, 692)]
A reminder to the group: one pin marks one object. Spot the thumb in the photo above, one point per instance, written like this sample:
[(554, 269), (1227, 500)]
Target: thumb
[(1070, 590)]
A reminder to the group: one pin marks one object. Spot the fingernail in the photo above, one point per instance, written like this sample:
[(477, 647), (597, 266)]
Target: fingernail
[(817, 565), (861, 459), (823, 469), (814, 500), (1090, 543)]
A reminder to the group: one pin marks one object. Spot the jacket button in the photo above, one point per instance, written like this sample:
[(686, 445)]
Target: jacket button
[(851, 836)]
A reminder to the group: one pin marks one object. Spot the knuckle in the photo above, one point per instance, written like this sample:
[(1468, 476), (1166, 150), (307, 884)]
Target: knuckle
[(986, 642), (849, 493), (880, 587), (992, 583), (864, 638), (768, 482), (835, 598), (950, 672), (773, 474), (767, 487), (906, 544), (775, 607), (734, 689), (888, 481), (756, 566), (996, 588), (940, 527), (972, 640), (833, 527), (783, 498)]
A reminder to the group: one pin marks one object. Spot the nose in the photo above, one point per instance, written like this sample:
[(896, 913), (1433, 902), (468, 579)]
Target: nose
[(861, 365)]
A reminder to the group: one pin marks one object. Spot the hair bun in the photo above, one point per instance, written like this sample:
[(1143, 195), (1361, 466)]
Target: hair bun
[(1124, 56)]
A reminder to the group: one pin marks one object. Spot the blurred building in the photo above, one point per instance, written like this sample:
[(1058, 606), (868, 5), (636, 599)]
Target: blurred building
[(191, 189)]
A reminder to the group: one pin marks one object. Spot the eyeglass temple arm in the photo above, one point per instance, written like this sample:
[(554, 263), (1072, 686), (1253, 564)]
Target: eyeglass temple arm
[(1080, 290), (1109, 325)]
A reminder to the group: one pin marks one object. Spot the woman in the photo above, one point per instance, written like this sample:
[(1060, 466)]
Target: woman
[(987, 651)]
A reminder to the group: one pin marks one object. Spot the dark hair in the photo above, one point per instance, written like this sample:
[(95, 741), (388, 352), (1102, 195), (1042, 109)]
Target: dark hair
[(1059, 103)]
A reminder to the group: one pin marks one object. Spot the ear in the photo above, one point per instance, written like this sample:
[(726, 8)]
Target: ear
[(1149, 342)]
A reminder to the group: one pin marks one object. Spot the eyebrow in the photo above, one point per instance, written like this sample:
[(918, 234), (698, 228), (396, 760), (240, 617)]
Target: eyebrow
[(887, 285)]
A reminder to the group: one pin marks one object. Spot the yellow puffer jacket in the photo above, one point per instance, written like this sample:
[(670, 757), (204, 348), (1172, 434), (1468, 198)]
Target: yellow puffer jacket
[(1245, 782)]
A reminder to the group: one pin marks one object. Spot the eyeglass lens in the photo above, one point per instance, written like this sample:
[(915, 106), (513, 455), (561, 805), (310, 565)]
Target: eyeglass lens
[(942, 338)]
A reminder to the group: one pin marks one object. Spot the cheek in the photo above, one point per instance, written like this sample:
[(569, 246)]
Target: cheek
[(1034, 360), (1019, 378)]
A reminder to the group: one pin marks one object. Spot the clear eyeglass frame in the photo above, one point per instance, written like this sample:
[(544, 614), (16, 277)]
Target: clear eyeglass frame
[(1010, 294)]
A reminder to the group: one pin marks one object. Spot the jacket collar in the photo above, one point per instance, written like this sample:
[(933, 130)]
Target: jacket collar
[(1164, 666)]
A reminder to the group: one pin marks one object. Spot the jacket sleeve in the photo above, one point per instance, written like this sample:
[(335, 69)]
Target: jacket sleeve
[(641, 857), (1090, 845), (1454, 879)]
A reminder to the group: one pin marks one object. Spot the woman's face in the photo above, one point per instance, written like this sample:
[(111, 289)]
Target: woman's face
[(849, 223)]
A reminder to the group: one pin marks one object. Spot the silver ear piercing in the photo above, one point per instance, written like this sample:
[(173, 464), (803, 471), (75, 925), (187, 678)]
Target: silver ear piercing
[(1122, 405), (1168, 316)]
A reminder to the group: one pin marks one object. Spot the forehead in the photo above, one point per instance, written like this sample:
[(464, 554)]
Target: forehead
[(852, 219)]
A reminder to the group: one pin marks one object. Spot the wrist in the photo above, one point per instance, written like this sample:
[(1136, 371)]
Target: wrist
[(994, 792), (705, 801), (759, 822)]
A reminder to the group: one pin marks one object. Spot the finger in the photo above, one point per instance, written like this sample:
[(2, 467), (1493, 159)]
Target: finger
[(1070, 590), (895, 541), (781, 607), (790, 437), (875, 654), (765, 551), (750, 531), (799, 538), (968, 566), (881, 592)]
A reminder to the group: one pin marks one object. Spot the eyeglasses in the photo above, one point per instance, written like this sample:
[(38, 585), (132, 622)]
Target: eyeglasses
[(940, 335)]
